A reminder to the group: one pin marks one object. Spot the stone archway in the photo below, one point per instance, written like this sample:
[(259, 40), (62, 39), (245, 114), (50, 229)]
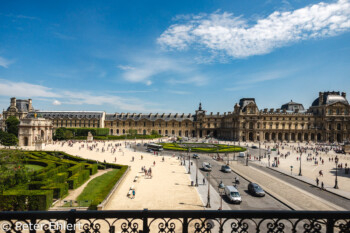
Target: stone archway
[(267, 136)]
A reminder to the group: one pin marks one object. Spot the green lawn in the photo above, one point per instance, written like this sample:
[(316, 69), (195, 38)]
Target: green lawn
[(33, 167), (99, 187)]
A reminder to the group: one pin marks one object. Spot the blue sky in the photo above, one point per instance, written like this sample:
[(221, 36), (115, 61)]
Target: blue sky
[(166, 56)]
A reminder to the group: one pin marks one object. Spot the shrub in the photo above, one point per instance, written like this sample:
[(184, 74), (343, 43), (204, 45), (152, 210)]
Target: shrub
[(78, 179), (21, 200)]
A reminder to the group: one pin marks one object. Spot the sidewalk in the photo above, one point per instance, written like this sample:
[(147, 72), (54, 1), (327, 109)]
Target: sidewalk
[(328, 187), (294, 197), (203, 190)]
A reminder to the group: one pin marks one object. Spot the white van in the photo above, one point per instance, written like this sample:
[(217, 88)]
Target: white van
[(206, 166), (232, 194), (241, 154)]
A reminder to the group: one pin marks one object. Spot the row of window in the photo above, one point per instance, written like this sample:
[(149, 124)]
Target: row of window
[(166, 132), (130, 124)]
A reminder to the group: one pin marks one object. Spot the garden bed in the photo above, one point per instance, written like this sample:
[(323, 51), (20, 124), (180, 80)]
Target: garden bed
[(202, 147)]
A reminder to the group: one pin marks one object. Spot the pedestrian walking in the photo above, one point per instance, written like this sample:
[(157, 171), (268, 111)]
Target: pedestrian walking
[(133, 193), (317, 181), (322, 185), (203, 181)]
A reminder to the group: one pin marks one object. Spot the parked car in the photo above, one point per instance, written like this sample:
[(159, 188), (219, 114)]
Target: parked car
[(195, 156), (149, 150), (241, 154), (226, 168), (256, 190), (145, 144), (232, 194), (255, 147), (206, 166), (138, 144)]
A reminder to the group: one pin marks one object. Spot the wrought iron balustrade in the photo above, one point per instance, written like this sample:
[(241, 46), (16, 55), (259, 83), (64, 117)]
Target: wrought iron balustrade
[(145, 221)]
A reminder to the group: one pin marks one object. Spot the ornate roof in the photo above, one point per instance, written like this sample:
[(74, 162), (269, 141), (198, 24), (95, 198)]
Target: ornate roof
[(292, 106), (330, 98), (66, 114), (21, 105), (150, 117)]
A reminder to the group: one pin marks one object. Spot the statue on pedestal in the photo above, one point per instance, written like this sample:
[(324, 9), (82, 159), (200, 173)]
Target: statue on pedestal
[(90, 138)]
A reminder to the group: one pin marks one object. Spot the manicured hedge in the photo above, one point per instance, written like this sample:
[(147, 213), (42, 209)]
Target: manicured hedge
[(61, 171), (92, 168), (59, 190), (78, 179), (75, 169), (22, 200), (85, 131)]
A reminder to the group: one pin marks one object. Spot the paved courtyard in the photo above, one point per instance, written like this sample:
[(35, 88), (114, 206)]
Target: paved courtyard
[(169, 187)]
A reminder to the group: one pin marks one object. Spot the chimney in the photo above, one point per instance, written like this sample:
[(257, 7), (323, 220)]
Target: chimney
[(13, 102), (30, 107), (343, 94), (271, 110), (284, 110), (320, 99), (278, 110)]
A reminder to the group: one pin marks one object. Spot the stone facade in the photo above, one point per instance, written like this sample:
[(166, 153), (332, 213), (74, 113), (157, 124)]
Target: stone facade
[(34, 132), (327, 120)]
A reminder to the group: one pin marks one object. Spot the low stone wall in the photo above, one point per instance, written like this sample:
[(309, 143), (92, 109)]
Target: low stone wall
[(105, 201)]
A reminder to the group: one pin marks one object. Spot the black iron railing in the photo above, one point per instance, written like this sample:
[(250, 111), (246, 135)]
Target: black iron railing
[(175, 221)]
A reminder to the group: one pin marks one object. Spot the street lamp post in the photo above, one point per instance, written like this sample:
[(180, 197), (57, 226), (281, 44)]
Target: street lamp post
[(300, 165), (259, 151), (221, 189), (208, 200), (336, 172), (189, 160), (247, 157), (197, 173)]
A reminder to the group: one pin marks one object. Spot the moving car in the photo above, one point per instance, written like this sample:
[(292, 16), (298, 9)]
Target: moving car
[(232, 194), (241, 154), (195, 156), (206, 166), (255, 190), (226, 168), (254, 147)]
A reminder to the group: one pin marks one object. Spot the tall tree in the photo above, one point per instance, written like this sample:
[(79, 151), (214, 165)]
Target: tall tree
[(9, 139), (12, 125)]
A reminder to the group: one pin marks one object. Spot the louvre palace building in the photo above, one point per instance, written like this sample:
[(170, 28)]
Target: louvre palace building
[(326, 120)]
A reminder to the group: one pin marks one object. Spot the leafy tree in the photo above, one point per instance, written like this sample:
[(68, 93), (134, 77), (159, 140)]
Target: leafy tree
[(68, 134), (154, 132), (9, 139), (59, 134), (12, 125), (132, 132)]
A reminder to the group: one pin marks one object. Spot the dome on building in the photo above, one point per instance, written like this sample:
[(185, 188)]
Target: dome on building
[(330, 98), (292, 106)]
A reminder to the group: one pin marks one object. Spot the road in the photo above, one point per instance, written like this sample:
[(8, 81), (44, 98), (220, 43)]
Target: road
[(249, 202)]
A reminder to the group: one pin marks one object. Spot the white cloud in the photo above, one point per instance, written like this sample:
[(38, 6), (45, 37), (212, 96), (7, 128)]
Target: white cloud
[(27, 90), (58, 97), (56, 102), (63, 36), (5, 62), (196, 80), (122, 67), (235, 37), (149, 69), (179, 92)]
